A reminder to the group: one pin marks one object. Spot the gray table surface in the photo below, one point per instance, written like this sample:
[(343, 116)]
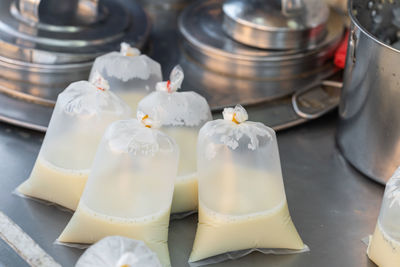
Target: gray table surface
[(332, 205)]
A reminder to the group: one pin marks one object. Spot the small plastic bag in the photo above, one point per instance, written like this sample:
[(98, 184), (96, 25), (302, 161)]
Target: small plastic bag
[(129, 190), (118, 251), (82, 113), (384, 245), (131, 75), (181, 114), (242, 202)]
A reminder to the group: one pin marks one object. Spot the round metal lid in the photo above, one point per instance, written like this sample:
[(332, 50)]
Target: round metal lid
[(276, 24), (61, 32), (205, 41)]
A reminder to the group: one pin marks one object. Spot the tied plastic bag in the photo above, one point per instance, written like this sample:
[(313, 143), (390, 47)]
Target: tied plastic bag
[(129, 190), (242, 202), (82, 113), (131, 75), (181, 114), (384, 246), (118, 251)]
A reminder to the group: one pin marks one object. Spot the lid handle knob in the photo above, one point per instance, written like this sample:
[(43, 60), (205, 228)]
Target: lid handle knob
[(292, 7)]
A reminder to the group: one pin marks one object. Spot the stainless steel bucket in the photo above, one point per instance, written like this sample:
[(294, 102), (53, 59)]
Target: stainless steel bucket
[(369, 127)]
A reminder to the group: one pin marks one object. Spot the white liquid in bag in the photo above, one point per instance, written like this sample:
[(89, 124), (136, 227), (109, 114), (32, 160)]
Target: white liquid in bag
[(384, 250), (236, 229), (88, 227), (185, 193), (55, 184)]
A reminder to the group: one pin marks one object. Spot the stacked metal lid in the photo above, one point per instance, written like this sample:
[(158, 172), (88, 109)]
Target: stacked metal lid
[(45, 45), (276, 45)]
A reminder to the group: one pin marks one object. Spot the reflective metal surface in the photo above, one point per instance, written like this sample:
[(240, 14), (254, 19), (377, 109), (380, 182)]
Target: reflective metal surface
[(316, 101), (46, 45), (24, 114), (37, 82), (219, 89), (84, 10), (369, 129), (226, 90), (276, 24), (206, 43)]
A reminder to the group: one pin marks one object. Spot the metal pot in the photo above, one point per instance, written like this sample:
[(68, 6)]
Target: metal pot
[(369, 128)]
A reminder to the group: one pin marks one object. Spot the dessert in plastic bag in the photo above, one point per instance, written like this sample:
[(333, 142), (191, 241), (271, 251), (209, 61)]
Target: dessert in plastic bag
[(181, 114), (82, 113), (131, 75), (118, 251), (242, 201), (384, 246), (130, 187)]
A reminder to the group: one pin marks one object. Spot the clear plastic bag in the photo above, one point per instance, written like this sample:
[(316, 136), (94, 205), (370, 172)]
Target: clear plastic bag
[(129, 190), (181, 114), (80, 117), (131, 75), (118, 251), (384, 245), (242, 201)]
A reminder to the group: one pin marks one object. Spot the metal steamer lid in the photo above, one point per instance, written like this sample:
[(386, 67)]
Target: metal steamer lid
[(65, 32), (276, 24), (205, 41), (47, 44)]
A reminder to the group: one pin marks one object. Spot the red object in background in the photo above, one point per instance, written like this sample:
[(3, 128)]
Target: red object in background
[(340, 54)]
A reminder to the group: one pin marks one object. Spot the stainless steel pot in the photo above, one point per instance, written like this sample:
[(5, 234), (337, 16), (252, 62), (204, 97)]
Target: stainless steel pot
[(369, 128)]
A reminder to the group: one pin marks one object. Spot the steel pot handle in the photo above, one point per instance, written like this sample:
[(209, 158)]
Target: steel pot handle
[(29, 9), (352, 44), (322, 106)]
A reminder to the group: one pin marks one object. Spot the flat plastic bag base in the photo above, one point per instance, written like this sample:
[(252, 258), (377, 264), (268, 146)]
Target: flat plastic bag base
[(234, 255), (366, 240), (42, 201), (72, 245)]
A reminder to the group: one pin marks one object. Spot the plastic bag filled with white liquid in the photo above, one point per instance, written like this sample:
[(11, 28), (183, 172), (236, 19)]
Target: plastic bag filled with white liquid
[(82, 113), (181, 114), (129, 190), (384, 246), (131, 75), (242, 202), (118, 251)]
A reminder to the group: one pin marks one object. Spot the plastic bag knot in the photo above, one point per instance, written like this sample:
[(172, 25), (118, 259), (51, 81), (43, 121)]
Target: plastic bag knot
[(237, 115), (174, 83), (129, 51), (99, 82), (147, 121)]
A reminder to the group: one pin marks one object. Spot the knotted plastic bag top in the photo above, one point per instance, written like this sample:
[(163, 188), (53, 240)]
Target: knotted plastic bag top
[(85, 98), (235, 131), (126, 64), (175, 108), (138, 137)]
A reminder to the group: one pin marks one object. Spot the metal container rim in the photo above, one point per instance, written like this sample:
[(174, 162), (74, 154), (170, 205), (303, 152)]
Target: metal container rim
[(355, 21)]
